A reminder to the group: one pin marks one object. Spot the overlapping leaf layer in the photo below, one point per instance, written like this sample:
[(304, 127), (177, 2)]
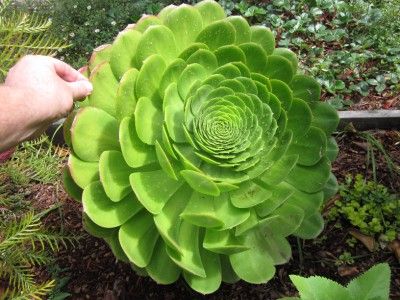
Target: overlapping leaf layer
[(201, 149)]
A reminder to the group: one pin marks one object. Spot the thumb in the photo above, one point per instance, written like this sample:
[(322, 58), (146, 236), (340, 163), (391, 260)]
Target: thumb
[(80, 89)]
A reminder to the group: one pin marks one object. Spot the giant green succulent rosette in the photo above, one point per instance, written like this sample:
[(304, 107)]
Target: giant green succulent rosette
[(201, 149)]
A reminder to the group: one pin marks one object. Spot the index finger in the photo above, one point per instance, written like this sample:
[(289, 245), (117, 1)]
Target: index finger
[(66, 72)]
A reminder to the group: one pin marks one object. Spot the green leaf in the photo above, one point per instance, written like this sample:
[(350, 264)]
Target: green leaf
[(146, 22), (217, 34), (289, 55), (311, 227), (200, 212), (211, 282), (136, 153), (242, 29), (278, 67), (104, 212), (95, 229), (100, 55), (264, 37), (188, 258), (279, 170), (157, 39), (168, 220), (228, 54), (149, 76), (93, 131), (210, 11), (283, 221), (310, 179), (72, 189), (282, 92), (165, 162), (125, 101), (249, 194), (190, 76), (186, 23), (114, 175), (228, 275), (299, 118), (306, 88), (280, 193), (331, 187), (254, 265), (200, 182), (83, 173), (311, 147), (325, 117), (373, 284), (332, 149), (105, 87), (316, 288), (171, 75), (148, 121), (153, 189), (174, 114), (223, 242), (205, 58), (138, 238), (161, 268), (115, 247), (255, 57), (121, 59)]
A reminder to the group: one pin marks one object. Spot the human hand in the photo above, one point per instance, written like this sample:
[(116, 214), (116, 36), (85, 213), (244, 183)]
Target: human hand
[(52, 84)]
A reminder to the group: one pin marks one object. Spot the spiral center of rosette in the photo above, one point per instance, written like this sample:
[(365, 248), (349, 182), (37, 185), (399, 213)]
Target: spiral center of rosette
[(230, 127)]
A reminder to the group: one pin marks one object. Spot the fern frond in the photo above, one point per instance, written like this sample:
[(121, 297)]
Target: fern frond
[(21, 231), (53, 240), (39, 258), (22, 34), (19, 277), (23, 23), (38, 292)]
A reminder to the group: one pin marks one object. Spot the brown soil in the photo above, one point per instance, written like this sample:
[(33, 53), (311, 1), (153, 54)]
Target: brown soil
[(95, 274)]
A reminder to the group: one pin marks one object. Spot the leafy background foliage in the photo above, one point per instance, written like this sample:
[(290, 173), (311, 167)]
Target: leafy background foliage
[(351, 47)]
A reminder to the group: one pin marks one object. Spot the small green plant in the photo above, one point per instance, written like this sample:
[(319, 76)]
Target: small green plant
[(374, 284), (369, 207), (201, 148), (344, 259)]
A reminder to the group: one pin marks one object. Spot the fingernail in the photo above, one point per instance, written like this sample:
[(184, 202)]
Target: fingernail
[(88, 86)]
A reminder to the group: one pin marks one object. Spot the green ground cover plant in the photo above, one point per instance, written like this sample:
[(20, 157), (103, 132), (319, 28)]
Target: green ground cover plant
[(201, 149), (351, 47), (369, 207)]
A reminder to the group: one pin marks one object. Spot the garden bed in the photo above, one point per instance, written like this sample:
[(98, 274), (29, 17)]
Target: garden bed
[(93, 273)]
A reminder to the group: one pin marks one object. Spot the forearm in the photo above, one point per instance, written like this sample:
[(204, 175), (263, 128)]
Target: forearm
[(19, 115)]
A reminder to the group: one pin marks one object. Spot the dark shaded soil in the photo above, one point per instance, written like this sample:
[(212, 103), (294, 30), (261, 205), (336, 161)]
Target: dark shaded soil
[(94, 273)]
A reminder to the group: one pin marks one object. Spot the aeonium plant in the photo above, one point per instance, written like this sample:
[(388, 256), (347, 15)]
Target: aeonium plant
[(201, 149)]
